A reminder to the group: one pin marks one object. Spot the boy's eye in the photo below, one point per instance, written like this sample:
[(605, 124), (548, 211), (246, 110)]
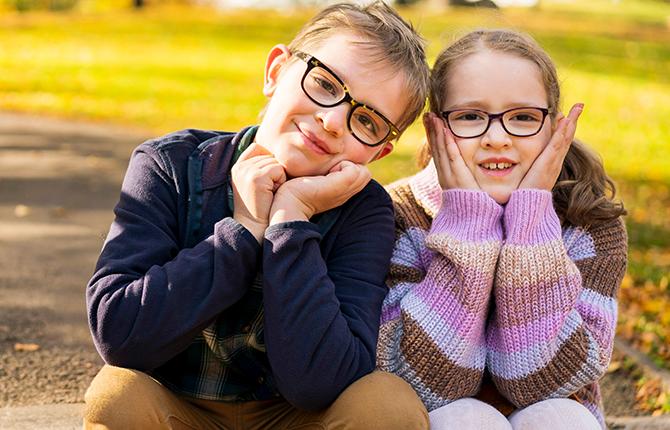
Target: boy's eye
[(366, 122), (324, 83)]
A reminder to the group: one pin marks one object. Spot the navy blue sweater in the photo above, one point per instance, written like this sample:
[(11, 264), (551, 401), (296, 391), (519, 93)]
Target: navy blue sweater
[(150, 296)]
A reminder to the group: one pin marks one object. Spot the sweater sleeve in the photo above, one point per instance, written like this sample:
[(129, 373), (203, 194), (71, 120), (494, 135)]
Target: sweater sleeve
[(433, 319), (148, 298), (556, 308), (322, 314)]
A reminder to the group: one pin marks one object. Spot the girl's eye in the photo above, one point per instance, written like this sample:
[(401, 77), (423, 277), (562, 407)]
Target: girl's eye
[(525, 117), (469, 116)]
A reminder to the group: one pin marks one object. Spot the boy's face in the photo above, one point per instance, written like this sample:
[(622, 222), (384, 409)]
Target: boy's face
[(308, 139)]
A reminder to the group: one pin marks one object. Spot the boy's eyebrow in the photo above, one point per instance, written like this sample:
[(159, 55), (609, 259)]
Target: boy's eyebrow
[(347, 86)]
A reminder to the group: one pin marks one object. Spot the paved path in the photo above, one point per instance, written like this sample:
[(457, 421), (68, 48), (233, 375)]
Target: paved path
[(58, 184)]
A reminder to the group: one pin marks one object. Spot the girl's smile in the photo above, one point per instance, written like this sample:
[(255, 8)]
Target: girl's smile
[(497, 167)]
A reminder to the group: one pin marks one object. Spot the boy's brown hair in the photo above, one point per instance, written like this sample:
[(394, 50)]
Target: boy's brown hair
[(390, 39)]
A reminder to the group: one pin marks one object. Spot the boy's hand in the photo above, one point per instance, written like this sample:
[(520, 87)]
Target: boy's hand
[(256, 176), (452, 171), (301, 198), (544, 172)]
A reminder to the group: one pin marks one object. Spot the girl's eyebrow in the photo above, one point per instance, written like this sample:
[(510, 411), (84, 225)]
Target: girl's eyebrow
[(485, 107), (467, 105)]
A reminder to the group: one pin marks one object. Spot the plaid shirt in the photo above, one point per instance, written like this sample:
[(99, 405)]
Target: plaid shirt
[(229, 355)]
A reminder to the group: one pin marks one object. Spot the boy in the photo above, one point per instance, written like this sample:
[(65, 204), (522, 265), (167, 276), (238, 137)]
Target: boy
[(242, 279)]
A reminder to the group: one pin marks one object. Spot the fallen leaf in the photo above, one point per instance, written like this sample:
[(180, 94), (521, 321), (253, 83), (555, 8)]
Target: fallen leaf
[(614, 366), (26, 347), (21, 211)]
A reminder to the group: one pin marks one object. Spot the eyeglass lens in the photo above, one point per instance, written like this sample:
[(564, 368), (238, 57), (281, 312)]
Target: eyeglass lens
[(325, 89), (519, 122)]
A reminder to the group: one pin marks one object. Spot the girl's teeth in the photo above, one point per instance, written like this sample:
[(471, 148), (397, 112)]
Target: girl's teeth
[(497, 166)]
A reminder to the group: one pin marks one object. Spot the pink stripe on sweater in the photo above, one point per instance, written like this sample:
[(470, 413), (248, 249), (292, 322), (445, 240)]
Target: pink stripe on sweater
[(600, 321), (518, 338), (390, 313), (446, 310)]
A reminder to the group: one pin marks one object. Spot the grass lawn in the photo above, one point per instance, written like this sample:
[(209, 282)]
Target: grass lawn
[(172, 67)]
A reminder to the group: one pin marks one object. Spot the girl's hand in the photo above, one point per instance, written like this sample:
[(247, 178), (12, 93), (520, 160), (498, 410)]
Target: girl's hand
[(301, 198), (452, 171), (256, 176), (544, 172)]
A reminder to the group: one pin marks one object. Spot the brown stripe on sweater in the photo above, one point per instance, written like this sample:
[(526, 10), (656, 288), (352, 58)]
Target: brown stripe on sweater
[(444, 377), (567, 362), (610, 237), (408, 210), (522, 285), (603, 274), (399, 273)]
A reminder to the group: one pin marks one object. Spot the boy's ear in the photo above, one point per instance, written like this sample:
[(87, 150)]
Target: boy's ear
[(386, 150), (277, 57)]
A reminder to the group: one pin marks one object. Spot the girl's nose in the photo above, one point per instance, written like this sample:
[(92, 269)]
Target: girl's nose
[(496, 136)]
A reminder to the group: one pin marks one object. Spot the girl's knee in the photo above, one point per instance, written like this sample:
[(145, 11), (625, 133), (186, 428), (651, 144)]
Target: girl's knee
[(467, 414), (555, 414)]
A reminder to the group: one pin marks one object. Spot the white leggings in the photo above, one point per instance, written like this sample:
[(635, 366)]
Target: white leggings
[(552, 414)]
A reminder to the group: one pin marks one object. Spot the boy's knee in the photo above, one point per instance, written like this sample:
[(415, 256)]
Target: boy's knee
[(115, 395), (380, 400)]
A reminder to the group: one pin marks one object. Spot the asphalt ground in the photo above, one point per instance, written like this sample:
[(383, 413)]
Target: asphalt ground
[(58, 184)]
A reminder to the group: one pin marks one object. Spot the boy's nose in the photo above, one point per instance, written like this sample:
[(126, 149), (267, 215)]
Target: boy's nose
[(496, 136), (333, 119)]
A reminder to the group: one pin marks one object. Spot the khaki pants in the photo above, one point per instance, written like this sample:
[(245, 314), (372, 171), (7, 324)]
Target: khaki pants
[(127, 399)]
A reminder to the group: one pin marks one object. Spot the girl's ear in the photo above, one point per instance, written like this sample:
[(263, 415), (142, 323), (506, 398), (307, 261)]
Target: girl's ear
[(277, 58)]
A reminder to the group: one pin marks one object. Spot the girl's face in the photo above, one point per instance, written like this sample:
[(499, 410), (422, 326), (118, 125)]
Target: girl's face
[(495, 82)]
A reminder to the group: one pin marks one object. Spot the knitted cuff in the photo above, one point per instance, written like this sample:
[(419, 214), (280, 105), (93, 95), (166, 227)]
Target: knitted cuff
[(530, 218), (468, 215)]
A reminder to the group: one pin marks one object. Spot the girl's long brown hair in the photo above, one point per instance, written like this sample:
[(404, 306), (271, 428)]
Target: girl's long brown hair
[(583, 194)]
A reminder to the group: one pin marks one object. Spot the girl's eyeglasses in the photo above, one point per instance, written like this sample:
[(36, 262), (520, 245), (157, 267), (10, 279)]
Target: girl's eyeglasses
[(520, 122)]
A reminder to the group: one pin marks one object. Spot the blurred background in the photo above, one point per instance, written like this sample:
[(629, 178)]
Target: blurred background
[(155, 66)]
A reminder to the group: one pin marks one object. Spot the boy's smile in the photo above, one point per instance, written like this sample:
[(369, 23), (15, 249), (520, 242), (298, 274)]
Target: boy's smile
[(308, 139)]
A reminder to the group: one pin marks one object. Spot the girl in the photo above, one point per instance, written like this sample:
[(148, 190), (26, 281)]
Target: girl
[(509, 253)]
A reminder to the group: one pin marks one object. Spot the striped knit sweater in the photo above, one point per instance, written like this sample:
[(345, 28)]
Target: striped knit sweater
[(478, 289)]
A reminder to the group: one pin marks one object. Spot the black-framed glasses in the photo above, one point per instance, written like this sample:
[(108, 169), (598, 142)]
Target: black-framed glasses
[(519, 122), (326, 89)]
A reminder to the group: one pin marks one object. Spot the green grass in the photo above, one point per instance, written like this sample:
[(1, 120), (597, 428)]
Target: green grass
[(171, 67)]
